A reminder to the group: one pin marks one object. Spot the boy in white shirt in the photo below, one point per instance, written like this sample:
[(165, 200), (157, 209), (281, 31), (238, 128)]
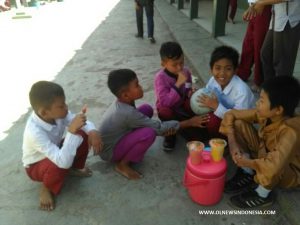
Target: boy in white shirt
[(45, 157), (229, 90)]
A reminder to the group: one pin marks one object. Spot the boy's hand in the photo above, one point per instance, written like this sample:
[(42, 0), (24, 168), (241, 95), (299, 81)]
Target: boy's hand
[(234, 147), (78, 122), (211, 102), (84, 109), (181, 79), (170, 132), (249, 14), (199, 121), (95, 141), (191, 92), (259, 8), (242, 161)]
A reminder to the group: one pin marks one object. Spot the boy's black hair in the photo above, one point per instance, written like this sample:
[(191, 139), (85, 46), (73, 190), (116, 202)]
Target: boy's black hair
[(43, 93), (170, 50), (224, 52), (118, 80), (283, 91)]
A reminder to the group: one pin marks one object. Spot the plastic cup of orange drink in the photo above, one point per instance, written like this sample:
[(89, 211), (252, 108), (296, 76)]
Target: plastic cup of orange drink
[(217, 146), (195, 151)]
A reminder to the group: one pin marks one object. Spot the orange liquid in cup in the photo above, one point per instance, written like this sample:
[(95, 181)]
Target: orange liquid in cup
[(217, 148), (195, 151)]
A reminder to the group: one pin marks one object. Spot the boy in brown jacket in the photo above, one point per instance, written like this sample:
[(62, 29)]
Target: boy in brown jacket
[(274, 147)]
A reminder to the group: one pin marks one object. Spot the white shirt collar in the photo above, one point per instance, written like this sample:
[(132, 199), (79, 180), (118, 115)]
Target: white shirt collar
[(228, 87), (42, 123)]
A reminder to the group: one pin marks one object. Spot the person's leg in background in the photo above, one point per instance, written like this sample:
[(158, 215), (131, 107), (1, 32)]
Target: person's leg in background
[(139, 20), (233, 8), (149, 8), (247, 55), (286, 45), (261, 26), (266, 56)]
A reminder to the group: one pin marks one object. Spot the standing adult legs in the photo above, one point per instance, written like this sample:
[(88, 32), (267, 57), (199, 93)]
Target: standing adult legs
[(233, 8), (247, 55), (267, 56), (279, 52), (261, 25), (286, 45), (150, 22), (139, 21)]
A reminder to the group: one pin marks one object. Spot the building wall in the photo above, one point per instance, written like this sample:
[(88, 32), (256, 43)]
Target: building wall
[(243, 4)]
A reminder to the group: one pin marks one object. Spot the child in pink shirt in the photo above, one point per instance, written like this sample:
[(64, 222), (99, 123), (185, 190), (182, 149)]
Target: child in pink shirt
[(173, 89)]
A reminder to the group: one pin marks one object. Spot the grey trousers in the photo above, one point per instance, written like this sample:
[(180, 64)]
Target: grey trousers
[(279, 52)]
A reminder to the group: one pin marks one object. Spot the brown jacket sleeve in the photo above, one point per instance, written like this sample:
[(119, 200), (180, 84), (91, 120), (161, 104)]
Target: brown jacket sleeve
[(248, 115), (269, 169)]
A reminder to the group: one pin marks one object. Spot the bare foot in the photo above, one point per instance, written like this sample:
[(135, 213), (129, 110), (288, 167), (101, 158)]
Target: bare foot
[(85, 172), (46, 199), (128, 172)]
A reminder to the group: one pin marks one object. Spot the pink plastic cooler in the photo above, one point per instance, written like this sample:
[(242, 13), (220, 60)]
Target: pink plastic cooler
[(205, 182)]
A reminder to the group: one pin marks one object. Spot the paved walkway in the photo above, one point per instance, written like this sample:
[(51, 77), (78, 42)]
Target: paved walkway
[(108, 198)]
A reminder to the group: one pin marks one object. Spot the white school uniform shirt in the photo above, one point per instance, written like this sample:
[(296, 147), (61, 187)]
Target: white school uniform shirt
[(251, 1), (236, 95), (285, 12), (42, 140)]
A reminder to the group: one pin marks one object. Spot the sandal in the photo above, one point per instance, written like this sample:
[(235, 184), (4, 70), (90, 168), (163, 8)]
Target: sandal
[(250, 199)]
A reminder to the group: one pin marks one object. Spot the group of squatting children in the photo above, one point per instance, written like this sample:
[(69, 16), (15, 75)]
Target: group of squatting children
[(56, 142)]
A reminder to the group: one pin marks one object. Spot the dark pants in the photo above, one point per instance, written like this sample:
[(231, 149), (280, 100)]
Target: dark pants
[(149, 8), (253, 40), (279, 51)]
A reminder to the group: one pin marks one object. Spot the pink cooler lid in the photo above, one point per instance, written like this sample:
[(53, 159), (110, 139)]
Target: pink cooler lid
[(207, 168)]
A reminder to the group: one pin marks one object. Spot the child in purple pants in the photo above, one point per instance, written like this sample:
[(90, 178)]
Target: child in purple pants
[(128, 132)]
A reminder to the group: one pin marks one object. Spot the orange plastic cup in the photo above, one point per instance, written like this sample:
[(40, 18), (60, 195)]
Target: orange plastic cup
[(217, 148), (195, 151)]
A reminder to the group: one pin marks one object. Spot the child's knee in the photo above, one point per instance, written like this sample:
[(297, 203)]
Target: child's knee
[(85, 137), (146, 109), (165, 113), (238, 124), (148, 133)]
